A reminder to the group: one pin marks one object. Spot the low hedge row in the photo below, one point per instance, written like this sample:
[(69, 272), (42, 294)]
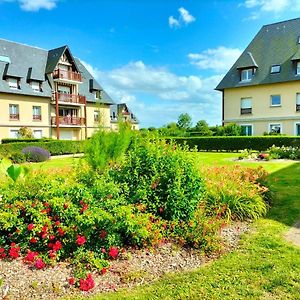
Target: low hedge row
[(235, 143), (54, 147), (25, 140)]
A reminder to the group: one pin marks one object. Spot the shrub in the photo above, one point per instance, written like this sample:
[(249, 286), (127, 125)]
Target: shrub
[(236, 192), (17, 157), (36, 154), (284, 152), (24, 140), (162, 178), (107, 148), (25, 132)]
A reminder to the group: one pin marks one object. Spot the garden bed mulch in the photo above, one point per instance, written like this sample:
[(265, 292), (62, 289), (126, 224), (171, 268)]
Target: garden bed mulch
[(134, 267)]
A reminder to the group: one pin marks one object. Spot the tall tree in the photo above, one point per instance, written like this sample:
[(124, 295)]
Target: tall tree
[(184, 121), (202, 128)]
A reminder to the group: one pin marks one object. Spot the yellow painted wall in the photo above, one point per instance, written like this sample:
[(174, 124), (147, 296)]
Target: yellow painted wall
[(25, 112), (262, 112)]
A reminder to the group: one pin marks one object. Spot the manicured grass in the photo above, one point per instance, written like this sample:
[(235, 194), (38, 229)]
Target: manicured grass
[(264, 266)]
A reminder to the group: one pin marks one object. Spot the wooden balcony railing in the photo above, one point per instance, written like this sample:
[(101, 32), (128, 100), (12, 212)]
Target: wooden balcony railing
[(70, 121), (14, 117), (69, 75), (246, 111), (37, 117), (297, 107), (69, 98)]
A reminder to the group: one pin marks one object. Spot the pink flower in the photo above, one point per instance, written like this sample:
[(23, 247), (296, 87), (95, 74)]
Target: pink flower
[(39, 264), (113, 252), (30, 227), (14, 251), (60, 232), (30, 257), (86, 284), (80, 240), (72, 281), (57, 246)]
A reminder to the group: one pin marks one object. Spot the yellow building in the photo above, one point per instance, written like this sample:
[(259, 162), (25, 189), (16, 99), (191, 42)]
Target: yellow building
[(50, 92), (261, 92)]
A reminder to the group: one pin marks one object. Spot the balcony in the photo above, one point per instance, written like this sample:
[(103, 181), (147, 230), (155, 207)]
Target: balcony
[(68, 121), (14, 117), (69, 98), (37, 118), (297, 107), (67, 75), (246, 111)]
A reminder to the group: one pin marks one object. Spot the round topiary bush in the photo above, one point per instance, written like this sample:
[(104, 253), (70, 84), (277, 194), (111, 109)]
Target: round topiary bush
[(17, 157), (36, 154)]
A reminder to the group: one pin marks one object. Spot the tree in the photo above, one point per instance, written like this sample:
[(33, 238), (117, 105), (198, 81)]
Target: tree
[(184, 121), (202, 128)]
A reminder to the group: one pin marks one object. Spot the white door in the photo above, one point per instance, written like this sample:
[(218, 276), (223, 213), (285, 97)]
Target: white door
[(66, 134)]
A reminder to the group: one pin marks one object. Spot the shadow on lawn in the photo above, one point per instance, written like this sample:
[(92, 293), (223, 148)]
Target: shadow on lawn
[(285, 184)]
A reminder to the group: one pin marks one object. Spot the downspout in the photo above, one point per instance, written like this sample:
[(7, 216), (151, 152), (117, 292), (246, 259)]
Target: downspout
[(223, 115), (57, 116)]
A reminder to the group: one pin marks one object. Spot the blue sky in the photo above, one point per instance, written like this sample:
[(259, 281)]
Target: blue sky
[(161, 57)]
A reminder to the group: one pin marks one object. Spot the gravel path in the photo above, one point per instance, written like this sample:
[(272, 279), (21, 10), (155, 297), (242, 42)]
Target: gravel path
[(135, 267), (293, 235)]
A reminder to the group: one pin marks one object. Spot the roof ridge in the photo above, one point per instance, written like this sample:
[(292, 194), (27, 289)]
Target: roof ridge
[(23, 44), (285, 21)]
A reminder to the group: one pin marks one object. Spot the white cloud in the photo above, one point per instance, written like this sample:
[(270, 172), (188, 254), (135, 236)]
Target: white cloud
[(219, 59), (173, 23), (157, 96), (271, 6), (35, 5), (184, 18)]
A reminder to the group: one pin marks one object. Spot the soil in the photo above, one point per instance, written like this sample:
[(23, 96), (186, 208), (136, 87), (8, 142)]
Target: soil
[(134, 267)]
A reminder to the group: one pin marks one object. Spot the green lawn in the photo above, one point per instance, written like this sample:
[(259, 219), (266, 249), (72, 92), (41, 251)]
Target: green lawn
[(264, 266)]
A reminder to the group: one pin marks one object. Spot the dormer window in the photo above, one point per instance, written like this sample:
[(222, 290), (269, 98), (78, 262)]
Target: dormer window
[(36, 86), (14, 83), (97, 94), (275, 69), (247, 74), (299, 39), (298, 68)]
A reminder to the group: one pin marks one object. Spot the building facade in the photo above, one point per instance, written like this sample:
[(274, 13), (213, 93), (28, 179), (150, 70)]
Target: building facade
[(50, 92), (261, 92), (121, 113)]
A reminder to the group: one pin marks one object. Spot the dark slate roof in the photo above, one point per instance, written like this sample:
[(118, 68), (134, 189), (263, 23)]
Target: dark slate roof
[(117, 109), (275, 44), (247, 61), (86, 88), (53, 57), (25, 61)]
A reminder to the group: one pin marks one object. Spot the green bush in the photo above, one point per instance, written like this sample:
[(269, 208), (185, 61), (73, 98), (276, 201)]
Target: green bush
[(24, 140), (54, 147), (17, 157), (235, 143), (284, 152), (162, 178)]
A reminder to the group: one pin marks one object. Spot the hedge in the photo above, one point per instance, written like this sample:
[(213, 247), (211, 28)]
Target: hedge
[(235, 143), (8, 141), (54, 147)]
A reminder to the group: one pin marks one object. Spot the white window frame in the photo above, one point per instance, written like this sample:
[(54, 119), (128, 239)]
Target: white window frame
[(36, 86), (37, 108), (243, 106), (298, 68), (275, 69), (275, 105), (13, 83), (249, 75), (252, 128), (15, 135), (97, 113), (280, 125), (37, 130), (295, 128)]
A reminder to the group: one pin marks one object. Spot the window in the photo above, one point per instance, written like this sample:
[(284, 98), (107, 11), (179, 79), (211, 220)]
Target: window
[(38, 134), (297, 129), (298, 68), (298, 102), (36, 86), (97, 94), (14, 134), (14, 112), (275, 69), (275, 100), (246, 106), (37, 113), (275, 128), (247, 74), (96, 116), (14, 83), (247, 129)]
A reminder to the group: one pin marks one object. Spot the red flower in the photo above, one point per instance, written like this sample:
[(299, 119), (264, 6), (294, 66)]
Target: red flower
[(51, 237), (18, 230), (2, 250), (52, 254), (103, 234), (30, 257), (84, 208), (113, 252), (57, 223), (44, 235), (103, 271), (45, 228), (14, 251), (33, 240), (60, 232), (30, 227), (72, 281), (39, 264), (46, 204), (2, 253), (57, 246), (66, 206), (80, 240), (86, 284)]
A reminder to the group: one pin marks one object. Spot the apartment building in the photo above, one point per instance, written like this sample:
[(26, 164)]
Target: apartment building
[(50, 92), (121, 113), (261, 92)]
